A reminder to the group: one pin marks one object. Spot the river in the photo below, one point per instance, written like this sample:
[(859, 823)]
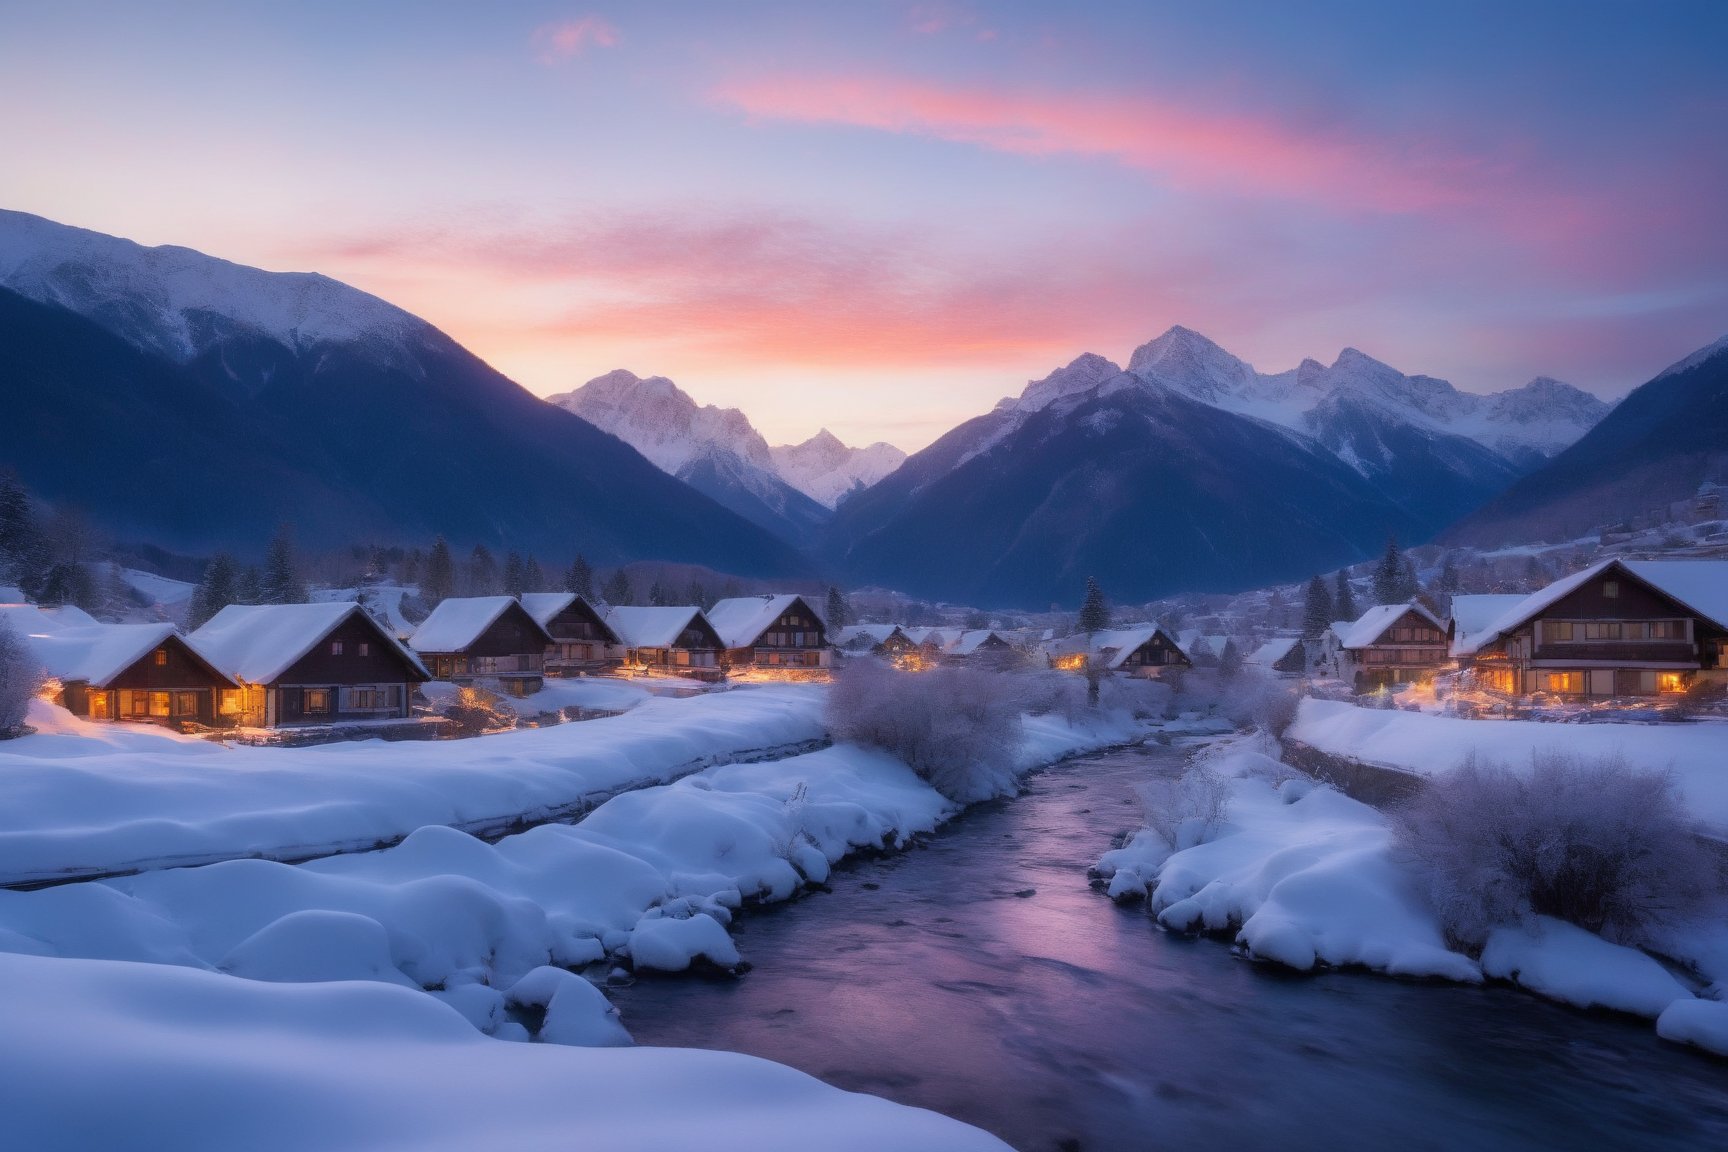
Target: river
[(979, 975)]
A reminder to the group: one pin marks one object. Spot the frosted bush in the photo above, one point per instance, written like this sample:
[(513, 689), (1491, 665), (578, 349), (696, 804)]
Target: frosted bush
[(1188, 810), (1260, 700), (1053, 694), (958, 728), (1590, 841), (1142, 699), (20, 680)]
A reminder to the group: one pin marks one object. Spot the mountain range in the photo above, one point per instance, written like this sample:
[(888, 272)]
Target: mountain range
[(199, 403)]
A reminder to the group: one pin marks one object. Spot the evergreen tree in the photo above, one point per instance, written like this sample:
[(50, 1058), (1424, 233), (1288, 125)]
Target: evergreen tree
[(580, 578), (657, 595), (250, 587), (219, 588), (515, 574), (1446, 584), (1277, 612), (533, 578), (1409, 585), (1094, 612), (440, 580), (408, 572), (1317, 614), (282, 584), (1229, 660), (839, 612), (1343, 599), (23, 559), (617, 589), (1389, 575), (699, 595), (482, 572)]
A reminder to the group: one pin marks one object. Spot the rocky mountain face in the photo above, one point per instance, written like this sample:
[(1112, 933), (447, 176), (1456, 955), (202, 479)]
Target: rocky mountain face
[(715, 450), (198, 404), (1657, 447)]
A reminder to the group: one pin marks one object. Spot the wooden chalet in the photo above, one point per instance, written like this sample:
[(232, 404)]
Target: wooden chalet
[(1620, 628), (772, 632), (491, 638), (138, 672), (303, 665), (668, 642), (1387, 645), (1144, 650), (983, 646), (582, 642)]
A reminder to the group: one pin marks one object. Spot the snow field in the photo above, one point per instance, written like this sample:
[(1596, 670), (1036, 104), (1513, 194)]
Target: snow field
[(80, 799), (1430, 745), (1305, 876), (121, 1056)]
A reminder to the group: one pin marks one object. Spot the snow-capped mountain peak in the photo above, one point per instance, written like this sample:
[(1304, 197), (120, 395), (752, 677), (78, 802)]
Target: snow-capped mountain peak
[(1194, 365), (661, 421), (827, 470), (1082, 374), (179, 302)]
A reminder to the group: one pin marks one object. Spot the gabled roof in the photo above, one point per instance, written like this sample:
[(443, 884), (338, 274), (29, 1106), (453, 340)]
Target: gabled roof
[(1372, 624), (652, 627), (1701, 586), (740, 620), (259, 642), (1112, 645), (875, 633), (460, 620), (93, 653), (545, 607), (1471, 614), (969, 642), (922, 636), (1273, 651)]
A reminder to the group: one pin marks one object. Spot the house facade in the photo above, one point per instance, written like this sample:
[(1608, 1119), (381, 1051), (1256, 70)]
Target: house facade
[(668, 642), (1621, 628), (885, 640), (1146, 651), (304, 665), (1388, 645), (781, 633), (491, 638), (1284, 655), (582, 642)]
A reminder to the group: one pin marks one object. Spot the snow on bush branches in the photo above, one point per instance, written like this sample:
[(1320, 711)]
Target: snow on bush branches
[(1586, 840)]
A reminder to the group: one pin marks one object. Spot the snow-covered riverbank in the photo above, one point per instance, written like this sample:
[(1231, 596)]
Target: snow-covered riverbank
[(1304, 876), (89, 799)]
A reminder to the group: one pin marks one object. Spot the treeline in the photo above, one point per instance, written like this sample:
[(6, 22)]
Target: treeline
[(56, 557)]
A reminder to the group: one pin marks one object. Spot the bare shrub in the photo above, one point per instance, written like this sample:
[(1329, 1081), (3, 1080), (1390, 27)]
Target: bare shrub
[(1143, 699), (1590, 841), (958, 728), (1053, 694), (20, 680), (1190, 809), (1258, 699)]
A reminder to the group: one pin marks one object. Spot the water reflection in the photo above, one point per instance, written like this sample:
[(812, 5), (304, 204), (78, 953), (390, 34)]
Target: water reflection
[(1057, 1020)]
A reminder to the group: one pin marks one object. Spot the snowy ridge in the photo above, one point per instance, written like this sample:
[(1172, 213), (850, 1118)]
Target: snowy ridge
[(827, 470), (180, 302), (661, 421)]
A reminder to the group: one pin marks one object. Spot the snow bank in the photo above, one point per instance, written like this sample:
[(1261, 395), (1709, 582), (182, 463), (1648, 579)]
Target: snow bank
[(81, 799), (1304, 873), (1703, 1023), (126, 1056), (1430, 745), (1563, 962)]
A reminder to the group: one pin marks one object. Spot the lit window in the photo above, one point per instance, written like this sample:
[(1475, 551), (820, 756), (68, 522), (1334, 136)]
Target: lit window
[(318, 699), (335, 647), (230, 701), (1565, 682), (98, 705), (1610, 589), (1671, 682), (161, 657), (159, 703)]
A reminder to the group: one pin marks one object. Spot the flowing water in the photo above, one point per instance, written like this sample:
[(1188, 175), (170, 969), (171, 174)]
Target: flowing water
[(980, 976)]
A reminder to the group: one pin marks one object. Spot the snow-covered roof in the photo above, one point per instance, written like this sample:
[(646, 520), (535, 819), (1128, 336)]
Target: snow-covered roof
[(259, 642), (1113, 645), (11, 594), (874, 633), (75, 647), (922, 636), (1471, 614), (967, 643), (1700, 585), (1372, 624), (1273, 651), (740, 620), (459, 621), (652, 627), (543, 606)]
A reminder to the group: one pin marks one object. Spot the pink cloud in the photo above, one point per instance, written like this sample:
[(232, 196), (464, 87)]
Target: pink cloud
[(1188, 148), (563, 39)]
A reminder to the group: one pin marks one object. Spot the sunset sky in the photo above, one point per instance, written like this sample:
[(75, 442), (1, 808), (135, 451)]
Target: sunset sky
[(882, 217)]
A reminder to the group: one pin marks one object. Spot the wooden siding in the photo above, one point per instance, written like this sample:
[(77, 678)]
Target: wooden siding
[(381, 663)]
